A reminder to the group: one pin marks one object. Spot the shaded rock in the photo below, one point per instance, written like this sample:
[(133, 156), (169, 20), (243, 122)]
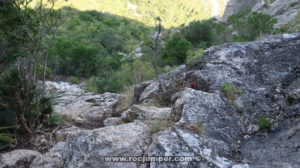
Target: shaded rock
[(293, 91), (113, 121), (217, 116), (276, 149), (148, 92), (138, 90), (18, 158), (139, 112)]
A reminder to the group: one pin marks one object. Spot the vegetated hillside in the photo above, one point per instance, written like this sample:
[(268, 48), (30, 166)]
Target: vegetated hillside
[(172, 12)]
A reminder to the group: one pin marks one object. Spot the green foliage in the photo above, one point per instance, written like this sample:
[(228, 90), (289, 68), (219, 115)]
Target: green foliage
[(116, 80), (250, 26), (74, 80), (176, 50), (96, 51), (172, 13), (19, 95), (40, 72), (260, 23), (55, 120), (194, 55), (230, 91), (264, 123), (6, 137), (200, 33)]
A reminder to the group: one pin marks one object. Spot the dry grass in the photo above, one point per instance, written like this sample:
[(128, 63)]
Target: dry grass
[(159, 125), (125, 101), (197, 128)]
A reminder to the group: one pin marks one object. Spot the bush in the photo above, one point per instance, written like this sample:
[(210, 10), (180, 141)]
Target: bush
[(6, 137), (23, 100), (264, 123), (176, 50), (250, 26), (201, 33), (194, 55), (76, 59), (230, 91), (259, 24), (74, 80), (55, 120)]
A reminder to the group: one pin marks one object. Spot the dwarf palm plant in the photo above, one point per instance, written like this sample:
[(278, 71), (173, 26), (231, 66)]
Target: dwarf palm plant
[(23, 102), (6, 138)]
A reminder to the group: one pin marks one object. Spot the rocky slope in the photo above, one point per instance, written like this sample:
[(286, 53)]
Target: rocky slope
[(286, 11), (207, 120)]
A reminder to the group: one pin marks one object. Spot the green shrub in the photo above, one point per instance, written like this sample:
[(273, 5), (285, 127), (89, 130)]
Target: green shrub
[(200, 33), (74, 80), (6, 137), (90, 85), (55, 120), (259, 24), (176, 50), (264, 123), (250, 26), (40, 72), (194, 55), (21, 97), (230, 91)]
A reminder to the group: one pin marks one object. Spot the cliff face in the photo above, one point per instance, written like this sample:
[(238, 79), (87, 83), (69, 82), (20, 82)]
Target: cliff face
[(234, 6), (242, 111), (286, 11)]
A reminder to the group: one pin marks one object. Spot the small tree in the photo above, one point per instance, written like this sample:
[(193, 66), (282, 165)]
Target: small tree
[(200, 33), (260, 23), (25, 29), (176, 50), (155, 49)]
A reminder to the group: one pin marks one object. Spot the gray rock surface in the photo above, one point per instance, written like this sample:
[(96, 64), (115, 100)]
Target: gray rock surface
[(18, 158), (84, 109), (284, 10), (220, 127), (113, 121), (87, 148), (140, 112)]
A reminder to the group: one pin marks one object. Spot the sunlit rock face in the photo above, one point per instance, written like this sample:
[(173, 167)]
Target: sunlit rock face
[(234, 6), (285, 11)]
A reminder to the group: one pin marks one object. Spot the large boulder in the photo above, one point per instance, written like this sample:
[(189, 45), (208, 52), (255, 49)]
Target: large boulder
[(84, 109), (87, 148), (209, 128), (148, 92)]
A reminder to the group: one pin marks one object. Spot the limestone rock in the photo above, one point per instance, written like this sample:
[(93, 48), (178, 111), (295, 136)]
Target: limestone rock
[(18, 158), (113, 121), (141, 112), (85, 109)]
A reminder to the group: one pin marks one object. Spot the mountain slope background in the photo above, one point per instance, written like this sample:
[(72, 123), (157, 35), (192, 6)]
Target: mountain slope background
[(173, 13)]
